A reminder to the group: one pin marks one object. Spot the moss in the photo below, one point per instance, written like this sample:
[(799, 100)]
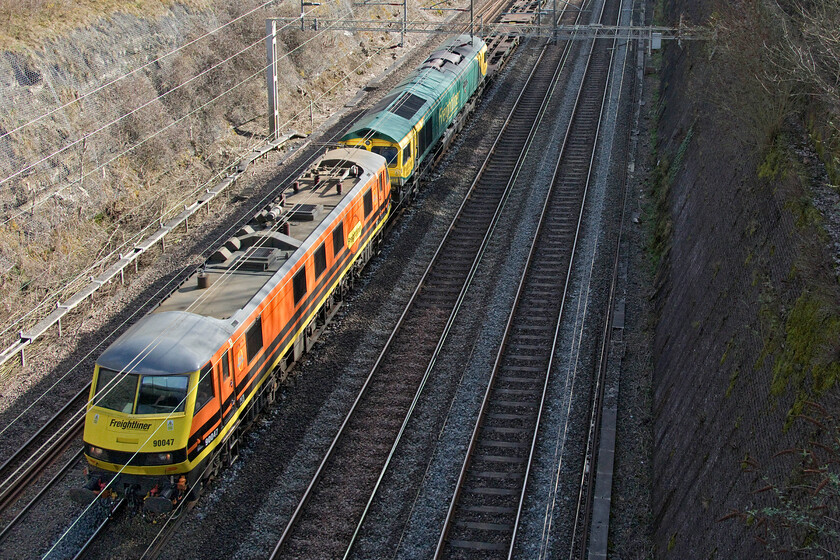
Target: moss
[(660, 225), (826, 139), (659, 12), (678, 158), (806, 358), (776, 163), (726, 352), (672, 542), (805, 213)]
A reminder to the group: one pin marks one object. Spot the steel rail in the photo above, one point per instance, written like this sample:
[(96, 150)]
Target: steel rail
[(8, 481), (485, 403), (67, 466), (100, 528), (595, 147), (452, 316), (172, 523), (320, 470), (583, 513), (32, 467)]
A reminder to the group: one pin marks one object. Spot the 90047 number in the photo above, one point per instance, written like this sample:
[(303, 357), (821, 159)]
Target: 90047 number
[(162, 442)]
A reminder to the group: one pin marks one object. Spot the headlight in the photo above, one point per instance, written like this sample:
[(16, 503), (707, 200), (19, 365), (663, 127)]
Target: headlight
[(96, 452), (159, 459)]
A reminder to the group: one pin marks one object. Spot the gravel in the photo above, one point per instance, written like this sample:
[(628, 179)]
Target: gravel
[(242, 515)]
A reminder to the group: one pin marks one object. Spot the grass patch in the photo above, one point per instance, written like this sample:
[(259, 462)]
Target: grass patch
[(658, 218)]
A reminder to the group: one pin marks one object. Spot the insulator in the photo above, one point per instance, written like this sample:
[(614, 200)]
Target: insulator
[(275, 212)]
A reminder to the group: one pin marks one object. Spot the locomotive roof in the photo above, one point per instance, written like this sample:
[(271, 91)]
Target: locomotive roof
[(166, 343), (192, 323), (405, 105)]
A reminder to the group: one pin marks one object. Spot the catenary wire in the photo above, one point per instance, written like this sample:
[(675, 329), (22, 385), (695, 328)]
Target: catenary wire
[(217, 284)]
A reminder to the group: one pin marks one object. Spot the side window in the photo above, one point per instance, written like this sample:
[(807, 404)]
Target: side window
[(254, 339), (405, 155), (425, 137), (428, 134), (338, 238), (225, 367), (204, 392), (368, 199), (298, 286), (320, 260)]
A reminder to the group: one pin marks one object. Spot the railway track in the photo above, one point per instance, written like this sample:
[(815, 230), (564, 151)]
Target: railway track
[(441, 291), (333, 506), (486, 507), (25, 467), (153, 549)]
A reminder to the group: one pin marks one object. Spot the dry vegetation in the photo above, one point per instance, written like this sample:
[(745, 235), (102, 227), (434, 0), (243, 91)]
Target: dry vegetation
[(788, 51), (27, 23), (152, 138)]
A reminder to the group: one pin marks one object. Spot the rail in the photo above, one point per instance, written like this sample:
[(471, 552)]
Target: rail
[(501, 451)]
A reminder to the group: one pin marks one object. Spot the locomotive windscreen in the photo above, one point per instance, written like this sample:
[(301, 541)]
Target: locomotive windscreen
[(157, 395)]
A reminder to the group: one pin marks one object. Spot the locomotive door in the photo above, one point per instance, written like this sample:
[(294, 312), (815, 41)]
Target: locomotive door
[(226, 387)]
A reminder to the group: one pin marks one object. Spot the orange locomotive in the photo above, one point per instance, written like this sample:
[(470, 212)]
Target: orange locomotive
[(171, 397)]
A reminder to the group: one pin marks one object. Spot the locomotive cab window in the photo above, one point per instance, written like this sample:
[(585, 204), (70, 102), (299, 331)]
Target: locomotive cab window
[(204, 391), (157, 394), (320, 260), (115, 390), (299, 284), (338, 238), (368, 199), (390, 153), (254, 337), (162, 394)]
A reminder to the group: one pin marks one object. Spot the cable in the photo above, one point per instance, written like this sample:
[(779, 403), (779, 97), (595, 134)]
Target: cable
[(51, 297), (27, 168), (323, 95), (217, 286), (150, 63)]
